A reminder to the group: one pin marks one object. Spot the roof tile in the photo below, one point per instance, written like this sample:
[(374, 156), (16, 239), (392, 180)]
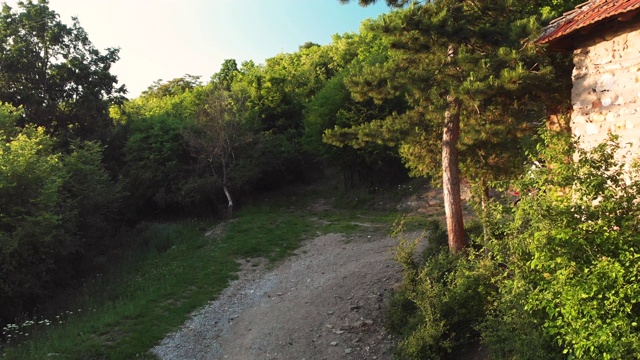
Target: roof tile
[(584, 15)]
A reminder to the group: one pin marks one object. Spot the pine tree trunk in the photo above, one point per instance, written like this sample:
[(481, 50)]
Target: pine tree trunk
[(451, 177)]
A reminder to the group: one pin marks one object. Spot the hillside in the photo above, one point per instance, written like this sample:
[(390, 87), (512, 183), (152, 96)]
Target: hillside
[(329, 297)]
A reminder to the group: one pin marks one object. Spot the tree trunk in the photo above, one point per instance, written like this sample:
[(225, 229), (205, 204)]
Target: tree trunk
[(229, 200), (225, 187), (451, 177)]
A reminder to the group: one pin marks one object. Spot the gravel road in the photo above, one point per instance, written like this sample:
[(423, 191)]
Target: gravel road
[(326, 302)]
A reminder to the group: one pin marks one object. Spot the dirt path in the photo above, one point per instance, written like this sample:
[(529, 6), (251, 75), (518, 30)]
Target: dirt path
[(326, 302)]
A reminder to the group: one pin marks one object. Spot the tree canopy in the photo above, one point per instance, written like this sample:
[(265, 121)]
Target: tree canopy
[(468, 67), (54, 73)]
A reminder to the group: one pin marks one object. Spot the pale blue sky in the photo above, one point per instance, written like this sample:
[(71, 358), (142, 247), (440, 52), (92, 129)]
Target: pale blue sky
[(165, 39)]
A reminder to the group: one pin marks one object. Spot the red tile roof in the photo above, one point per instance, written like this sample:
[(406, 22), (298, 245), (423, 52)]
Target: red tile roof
[(584, 15)]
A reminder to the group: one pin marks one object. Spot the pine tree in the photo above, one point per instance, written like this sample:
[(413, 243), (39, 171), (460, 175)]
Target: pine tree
[(471, 73)]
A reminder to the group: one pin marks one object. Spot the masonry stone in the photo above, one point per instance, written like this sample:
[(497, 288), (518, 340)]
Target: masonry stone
[(606, 90)]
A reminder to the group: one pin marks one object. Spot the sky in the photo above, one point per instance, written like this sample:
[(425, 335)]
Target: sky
[(166, 39)]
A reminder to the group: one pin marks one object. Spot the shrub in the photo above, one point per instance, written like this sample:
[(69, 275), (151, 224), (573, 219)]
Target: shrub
[(441, 302), (557, 278), (91, 199), (509, 331), (157, 164), (571, 259), (55, 210), (31, 227)]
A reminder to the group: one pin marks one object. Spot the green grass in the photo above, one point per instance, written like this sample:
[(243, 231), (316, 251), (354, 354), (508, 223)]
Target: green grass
[(355, 222), (126, 312), (267, 232), (172, 269)]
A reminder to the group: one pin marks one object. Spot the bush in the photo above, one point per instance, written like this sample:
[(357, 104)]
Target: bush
[(571, 260), (558, 278), (55, 212), (157, 164), (509, 331), (441, 302), (91, 199), (32, 232), (158, 238)]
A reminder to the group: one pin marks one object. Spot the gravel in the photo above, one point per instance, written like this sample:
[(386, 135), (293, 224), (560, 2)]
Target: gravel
[(326, 302)]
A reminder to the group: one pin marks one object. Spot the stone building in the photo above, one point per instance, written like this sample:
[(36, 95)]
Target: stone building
[(604, 36)]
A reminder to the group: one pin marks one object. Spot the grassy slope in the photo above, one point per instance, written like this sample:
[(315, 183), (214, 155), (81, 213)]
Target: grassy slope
[(124, 313)]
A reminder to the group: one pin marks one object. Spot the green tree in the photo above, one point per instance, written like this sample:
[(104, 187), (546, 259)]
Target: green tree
[(157, 170), (227, 74), (333, 106), (457, 62), (287, 82), (54, 73), (157, 163), (179, 98), (31, 227), (278, 92), (177, 86), (56, 211), (91, 200), (369, 163)]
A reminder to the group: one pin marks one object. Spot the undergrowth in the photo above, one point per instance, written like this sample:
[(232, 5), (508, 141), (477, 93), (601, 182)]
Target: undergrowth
[(442, 299), (553, 277)]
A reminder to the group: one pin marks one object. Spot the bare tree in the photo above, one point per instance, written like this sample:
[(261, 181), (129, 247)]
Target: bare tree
[(221, 128)]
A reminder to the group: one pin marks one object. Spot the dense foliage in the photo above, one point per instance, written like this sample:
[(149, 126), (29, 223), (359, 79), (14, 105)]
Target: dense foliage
[(475, 83), (558, 279), (54, 73), (56, 207), (571, 250)]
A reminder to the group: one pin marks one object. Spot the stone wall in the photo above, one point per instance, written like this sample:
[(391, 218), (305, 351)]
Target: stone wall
[(606, 90)]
